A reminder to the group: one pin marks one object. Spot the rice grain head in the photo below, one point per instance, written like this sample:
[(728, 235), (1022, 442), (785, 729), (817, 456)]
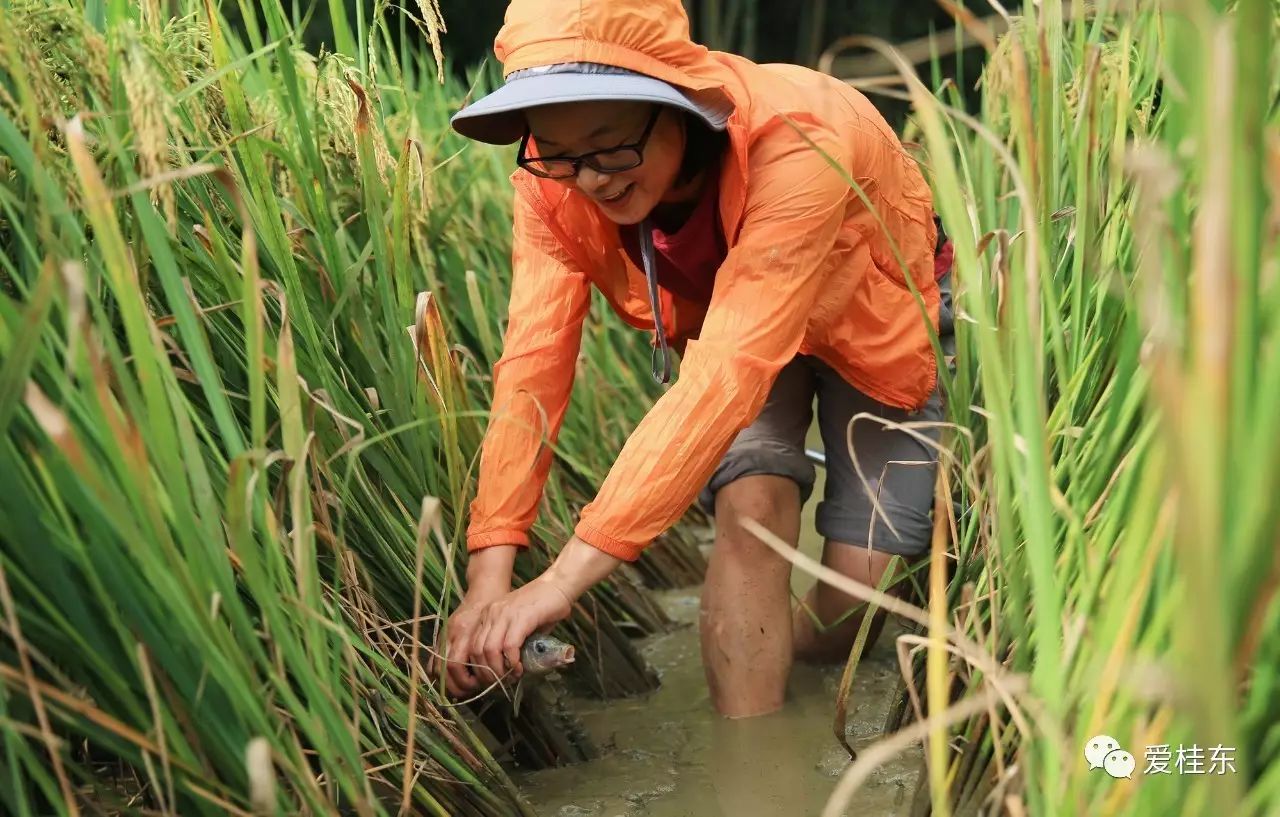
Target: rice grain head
[(997, 80), (64, 56), (433, 22), (152, 119), (1110, 73)]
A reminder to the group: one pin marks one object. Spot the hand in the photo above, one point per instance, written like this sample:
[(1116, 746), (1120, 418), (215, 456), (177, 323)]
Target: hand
[(540, 603), (491, 638), (508, 621), (461, 679), (488, 579)]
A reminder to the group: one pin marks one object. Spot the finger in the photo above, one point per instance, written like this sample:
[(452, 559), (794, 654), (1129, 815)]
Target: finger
[(453, 678), (456, 670), (475, 673), (453, 662), (511, 651), (491, 648), (520, 629), (460, 680), (463, 676)]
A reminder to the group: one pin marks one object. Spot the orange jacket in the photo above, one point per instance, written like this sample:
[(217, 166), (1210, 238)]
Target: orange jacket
[(810, 270)]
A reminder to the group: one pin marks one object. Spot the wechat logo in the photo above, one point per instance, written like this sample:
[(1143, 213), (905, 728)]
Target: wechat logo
[(1104, 752)]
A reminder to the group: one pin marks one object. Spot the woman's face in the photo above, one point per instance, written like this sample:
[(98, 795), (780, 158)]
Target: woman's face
[(574, 128)]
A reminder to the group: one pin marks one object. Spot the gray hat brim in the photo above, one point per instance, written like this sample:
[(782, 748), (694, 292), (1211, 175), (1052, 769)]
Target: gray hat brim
[(498, 118)]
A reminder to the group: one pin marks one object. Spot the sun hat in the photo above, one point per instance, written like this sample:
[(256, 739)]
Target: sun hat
[(498, 118)]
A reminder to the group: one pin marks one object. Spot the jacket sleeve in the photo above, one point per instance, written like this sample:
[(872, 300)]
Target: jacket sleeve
[(764, 293), (533, 379)]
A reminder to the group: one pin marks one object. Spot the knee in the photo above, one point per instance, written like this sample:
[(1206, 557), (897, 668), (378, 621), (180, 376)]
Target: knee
[(772, 502), (761, 498)]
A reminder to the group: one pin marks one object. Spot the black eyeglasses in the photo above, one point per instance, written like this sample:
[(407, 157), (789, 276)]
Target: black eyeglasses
[(609, 160)]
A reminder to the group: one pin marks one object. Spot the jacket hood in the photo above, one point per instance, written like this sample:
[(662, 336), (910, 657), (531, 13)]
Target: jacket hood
[(647, 36)]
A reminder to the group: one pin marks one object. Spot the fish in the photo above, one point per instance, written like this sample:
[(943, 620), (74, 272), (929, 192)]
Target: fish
[(541, 655)]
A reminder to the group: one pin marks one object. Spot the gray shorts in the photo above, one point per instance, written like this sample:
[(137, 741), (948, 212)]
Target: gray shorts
[(898, 468)]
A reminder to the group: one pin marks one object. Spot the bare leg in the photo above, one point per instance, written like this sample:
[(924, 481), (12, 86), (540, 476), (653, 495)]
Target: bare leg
[(746, 600), (833, 644)]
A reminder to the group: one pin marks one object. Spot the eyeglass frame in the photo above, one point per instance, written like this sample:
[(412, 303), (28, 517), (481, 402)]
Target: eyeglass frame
[(576, 162)]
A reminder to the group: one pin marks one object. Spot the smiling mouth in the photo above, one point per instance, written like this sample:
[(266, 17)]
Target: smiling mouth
[(619, 195)]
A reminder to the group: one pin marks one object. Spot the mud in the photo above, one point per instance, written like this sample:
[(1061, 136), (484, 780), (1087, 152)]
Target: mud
[(669, 755)]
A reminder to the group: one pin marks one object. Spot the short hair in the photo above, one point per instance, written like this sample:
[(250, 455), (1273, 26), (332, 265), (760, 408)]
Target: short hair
[(703, 147)]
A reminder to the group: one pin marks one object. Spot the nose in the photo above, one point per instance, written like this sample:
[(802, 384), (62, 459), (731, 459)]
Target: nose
[(591, 181)]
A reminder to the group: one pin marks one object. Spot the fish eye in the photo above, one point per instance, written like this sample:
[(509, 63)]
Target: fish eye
[(540, 647)]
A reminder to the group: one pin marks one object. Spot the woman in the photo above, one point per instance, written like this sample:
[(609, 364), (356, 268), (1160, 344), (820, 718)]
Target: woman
[(691, 188)]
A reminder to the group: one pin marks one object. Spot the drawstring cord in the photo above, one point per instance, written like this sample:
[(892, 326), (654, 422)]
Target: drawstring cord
[(662, 373)]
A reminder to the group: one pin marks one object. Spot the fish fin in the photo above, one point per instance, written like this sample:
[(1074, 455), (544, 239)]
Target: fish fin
[(518, 697)]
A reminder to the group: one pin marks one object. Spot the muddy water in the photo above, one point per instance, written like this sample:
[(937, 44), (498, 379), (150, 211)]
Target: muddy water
[(669, 755)]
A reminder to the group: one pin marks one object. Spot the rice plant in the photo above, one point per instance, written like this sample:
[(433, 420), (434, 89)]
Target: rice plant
[(1115, 399), (234, 484)]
